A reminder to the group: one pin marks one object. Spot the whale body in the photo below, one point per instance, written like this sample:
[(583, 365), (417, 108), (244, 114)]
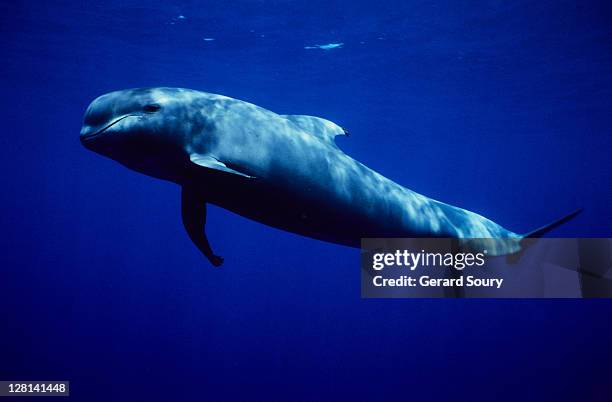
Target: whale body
[(285, 171)]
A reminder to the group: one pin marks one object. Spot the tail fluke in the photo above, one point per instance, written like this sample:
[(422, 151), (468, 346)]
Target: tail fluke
[(547, 228)]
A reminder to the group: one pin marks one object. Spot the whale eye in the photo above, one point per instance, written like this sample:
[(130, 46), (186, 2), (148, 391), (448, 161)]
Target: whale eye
[(152, 108)]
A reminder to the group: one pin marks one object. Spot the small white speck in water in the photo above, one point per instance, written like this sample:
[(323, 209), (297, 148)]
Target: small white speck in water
[(328, 46)]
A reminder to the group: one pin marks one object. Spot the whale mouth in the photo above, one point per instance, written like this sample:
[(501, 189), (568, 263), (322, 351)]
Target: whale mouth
[(91, 136)]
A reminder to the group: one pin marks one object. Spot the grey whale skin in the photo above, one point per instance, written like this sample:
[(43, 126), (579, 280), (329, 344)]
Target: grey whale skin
[(284, 171)]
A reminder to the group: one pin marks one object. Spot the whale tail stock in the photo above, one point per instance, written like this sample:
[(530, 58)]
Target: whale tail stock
[(547, 228)]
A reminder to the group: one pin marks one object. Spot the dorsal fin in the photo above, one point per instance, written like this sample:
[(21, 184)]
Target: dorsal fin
[(321, 128)]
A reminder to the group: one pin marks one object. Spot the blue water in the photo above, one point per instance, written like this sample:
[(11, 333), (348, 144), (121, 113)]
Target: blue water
[(500, 107)]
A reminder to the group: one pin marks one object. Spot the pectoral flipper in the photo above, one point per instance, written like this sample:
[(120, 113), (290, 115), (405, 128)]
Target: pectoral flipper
[(193, 211)]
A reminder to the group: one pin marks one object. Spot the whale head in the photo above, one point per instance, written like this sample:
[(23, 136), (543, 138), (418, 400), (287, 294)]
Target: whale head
[(146, 129)]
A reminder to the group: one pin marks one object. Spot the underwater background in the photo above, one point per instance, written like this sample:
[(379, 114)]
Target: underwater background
[(500, 107)]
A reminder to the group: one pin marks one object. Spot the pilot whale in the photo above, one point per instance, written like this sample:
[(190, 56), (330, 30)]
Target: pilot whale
[(285, 171)]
